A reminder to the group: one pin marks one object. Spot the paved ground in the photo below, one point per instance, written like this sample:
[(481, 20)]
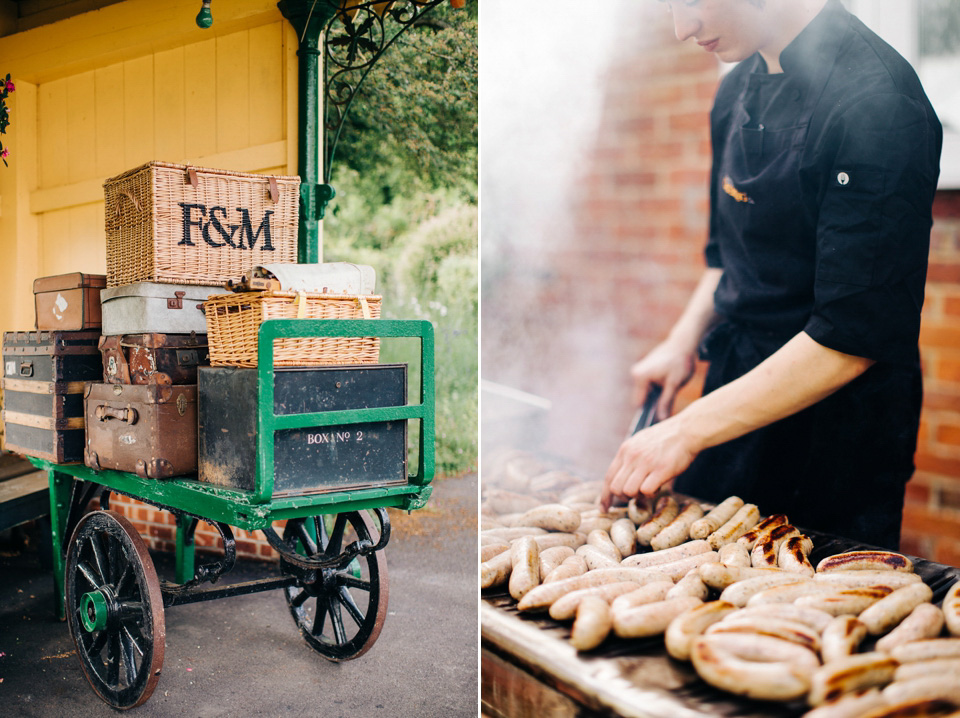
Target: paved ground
[(244, 657)]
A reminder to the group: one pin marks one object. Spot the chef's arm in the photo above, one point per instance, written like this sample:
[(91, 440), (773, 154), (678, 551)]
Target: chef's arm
[(798, 375), (670, 364)]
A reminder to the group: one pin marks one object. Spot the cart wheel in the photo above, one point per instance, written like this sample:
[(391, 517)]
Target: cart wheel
[(114, 609), (339, 611)]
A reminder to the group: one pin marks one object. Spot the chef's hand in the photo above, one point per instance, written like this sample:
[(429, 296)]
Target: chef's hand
[(646, 461), (667, 366)]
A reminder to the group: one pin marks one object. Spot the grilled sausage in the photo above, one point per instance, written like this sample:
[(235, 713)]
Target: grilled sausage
[(718, 576), (649, 593), (890, 611), (593, 523), (676, 570), (654, 558), (638, 510), (690, 585), (841, 638), (687, 626), (717, 517), (678, 530), (859, 578), (931, 687), (574, 540), (745, 519), (781, 628), (778, 680), (917, 708), (572, 566), (513, 532), (735, 554), (540, 598), (596, 558), (565, 607), (665, 511), (601, 540), (592, 625), (651, 619), (866, 561), (765, 551), (493, 549), (550, 558), (947, 668), (927, 650), (817, 620), (496, 571), (750, 538), (793, 555), (850, 705), (739, 593), (790, 592), (525, 572), (925, 621), (624, 537), (845, 601), (853, 673), (951, 609)]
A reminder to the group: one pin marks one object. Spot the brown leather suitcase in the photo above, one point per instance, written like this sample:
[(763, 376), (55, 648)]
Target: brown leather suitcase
[(68, 302), (43, 383), (146, 429), (153, 358)]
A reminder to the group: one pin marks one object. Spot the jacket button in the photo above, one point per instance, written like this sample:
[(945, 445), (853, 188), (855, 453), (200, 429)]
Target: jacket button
[(843, 178)]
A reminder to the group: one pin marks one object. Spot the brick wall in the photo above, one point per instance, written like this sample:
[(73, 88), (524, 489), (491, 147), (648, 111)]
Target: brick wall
[(606, 296)]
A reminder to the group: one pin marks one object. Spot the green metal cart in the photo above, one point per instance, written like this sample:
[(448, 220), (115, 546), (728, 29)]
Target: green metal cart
[(331, 551)]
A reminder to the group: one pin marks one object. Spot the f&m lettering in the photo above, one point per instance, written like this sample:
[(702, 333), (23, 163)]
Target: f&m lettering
[(213, 228)]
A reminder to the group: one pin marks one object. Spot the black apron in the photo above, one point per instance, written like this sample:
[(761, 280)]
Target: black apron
[(839, 466)]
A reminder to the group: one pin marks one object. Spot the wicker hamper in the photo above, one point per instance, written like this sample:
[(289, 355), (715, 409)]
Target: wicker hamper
[(233, 323), (178, 224)]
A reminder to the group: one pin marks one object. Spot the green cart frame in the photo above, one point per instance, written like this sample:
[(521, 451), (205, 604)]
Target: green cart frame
[(331, 552)]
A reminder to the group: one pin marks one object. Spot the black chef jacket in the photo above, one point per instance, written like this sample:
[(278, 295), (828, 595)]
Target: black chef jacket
[(821, 192)]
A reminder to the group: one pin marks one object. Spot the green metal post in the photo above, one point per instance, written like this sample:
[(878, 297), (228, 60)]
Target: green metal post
[(185, 550), (60, 485)]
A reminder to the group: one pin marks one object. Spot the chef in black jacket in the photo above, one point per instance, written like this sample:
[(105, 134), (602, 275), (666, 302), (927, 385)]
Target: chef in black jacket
[(825, 163)]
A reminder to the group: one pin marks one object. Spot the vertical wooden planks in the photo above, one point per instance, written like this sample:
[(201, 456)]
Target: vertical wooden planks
[(138, 110), (108, 102), (200, 98), (233, 92), (81, 126), (169, 105), (266, 84), (52, 132)]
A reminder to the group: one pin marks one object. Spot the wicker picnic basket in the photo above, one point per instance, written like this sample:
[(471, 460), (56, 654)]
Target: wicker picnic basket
[(233, 323), (179, 224)]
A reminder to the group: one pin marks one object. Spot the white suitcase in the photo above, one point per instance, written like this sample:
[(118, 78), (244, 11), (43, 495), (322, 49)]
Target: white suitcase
[(151, 308), (326, 278)]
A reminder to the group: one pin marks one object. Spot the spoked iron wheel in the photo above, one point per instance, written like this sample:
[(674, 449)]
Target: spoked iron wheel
[(114, 609), (339, 610)]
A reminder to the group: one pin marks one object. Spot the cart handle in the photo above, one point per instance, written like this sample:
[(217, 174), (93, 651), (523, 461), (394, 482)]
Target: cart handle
[(268, 422)]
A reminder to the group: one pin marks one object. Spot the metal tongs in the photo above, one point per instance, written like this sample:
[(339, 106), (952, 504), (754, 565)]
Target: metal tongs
[(647, 414)]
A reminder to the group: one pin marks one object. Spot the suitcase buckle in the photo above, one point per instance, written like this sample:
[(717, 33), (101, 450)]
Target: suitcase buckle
[(177, 302)]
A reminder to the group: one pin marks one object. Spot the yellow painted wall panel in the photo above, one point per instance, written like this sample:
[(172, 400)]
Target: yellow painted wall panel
[(81, 127), (52, 132), (138, 120), (233, 92), (266, 84), (200, 99), (108, 101), (169, 105)]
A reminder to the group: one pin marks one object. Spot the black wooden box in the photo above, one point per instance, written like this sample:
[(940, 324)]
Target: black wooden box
[(311, 460), (44, 373)]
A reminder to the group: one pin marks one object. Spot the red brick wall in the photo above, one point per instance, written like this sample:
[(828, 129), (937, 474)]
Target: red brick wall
[(604, 298)]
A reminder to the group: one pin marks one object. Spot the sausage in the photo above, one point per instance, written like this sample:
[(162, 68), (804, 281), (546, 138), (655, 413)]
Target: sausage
[(585, 492), (565, 607), (951, 609), (817, 620), (772, 626), (926, 621), (866, 561), (596, 558), (550, 540), (946, 668), (793, 555), (555, 480), (592, 625), (859, 578), (739, 593), (510, 533), (540, 598), (931, 687), (683, 629), (651, 619), (778, 680), (745, 519), (676, 570), (624, 537), (888, 612), (502, 501), (550, 558), (601, 540), (597, 522), (496, 571), (863, 670), (750, 538), (841, 638), (845, 601), (665, 511), (735, 554), (718, 576), (571, 566), (850, 705), (490, 550), (790, 592), (690, 585), (678, 530), (766, 550), (717, 517), (638, 510), (525, 573), (927, 650), (654, 558), (918, 708), (649, 593)]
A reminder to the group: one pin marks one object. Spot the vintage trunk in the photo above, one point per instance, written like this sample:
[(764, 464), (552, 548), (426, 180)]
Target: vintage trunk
[(68, 302), (153, 358), (152, 307), (43, 382), (311, 460), (149, 430)]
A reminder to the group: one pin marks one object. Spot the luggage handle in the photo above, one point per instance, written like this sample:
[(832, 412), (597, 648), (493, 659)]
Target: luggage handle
[(127, 414), (26, 368)]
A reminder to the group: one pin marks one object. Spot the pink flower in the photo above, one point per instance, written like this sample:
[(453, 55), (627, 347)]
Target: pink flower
[(10, 86), (5, 153)]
